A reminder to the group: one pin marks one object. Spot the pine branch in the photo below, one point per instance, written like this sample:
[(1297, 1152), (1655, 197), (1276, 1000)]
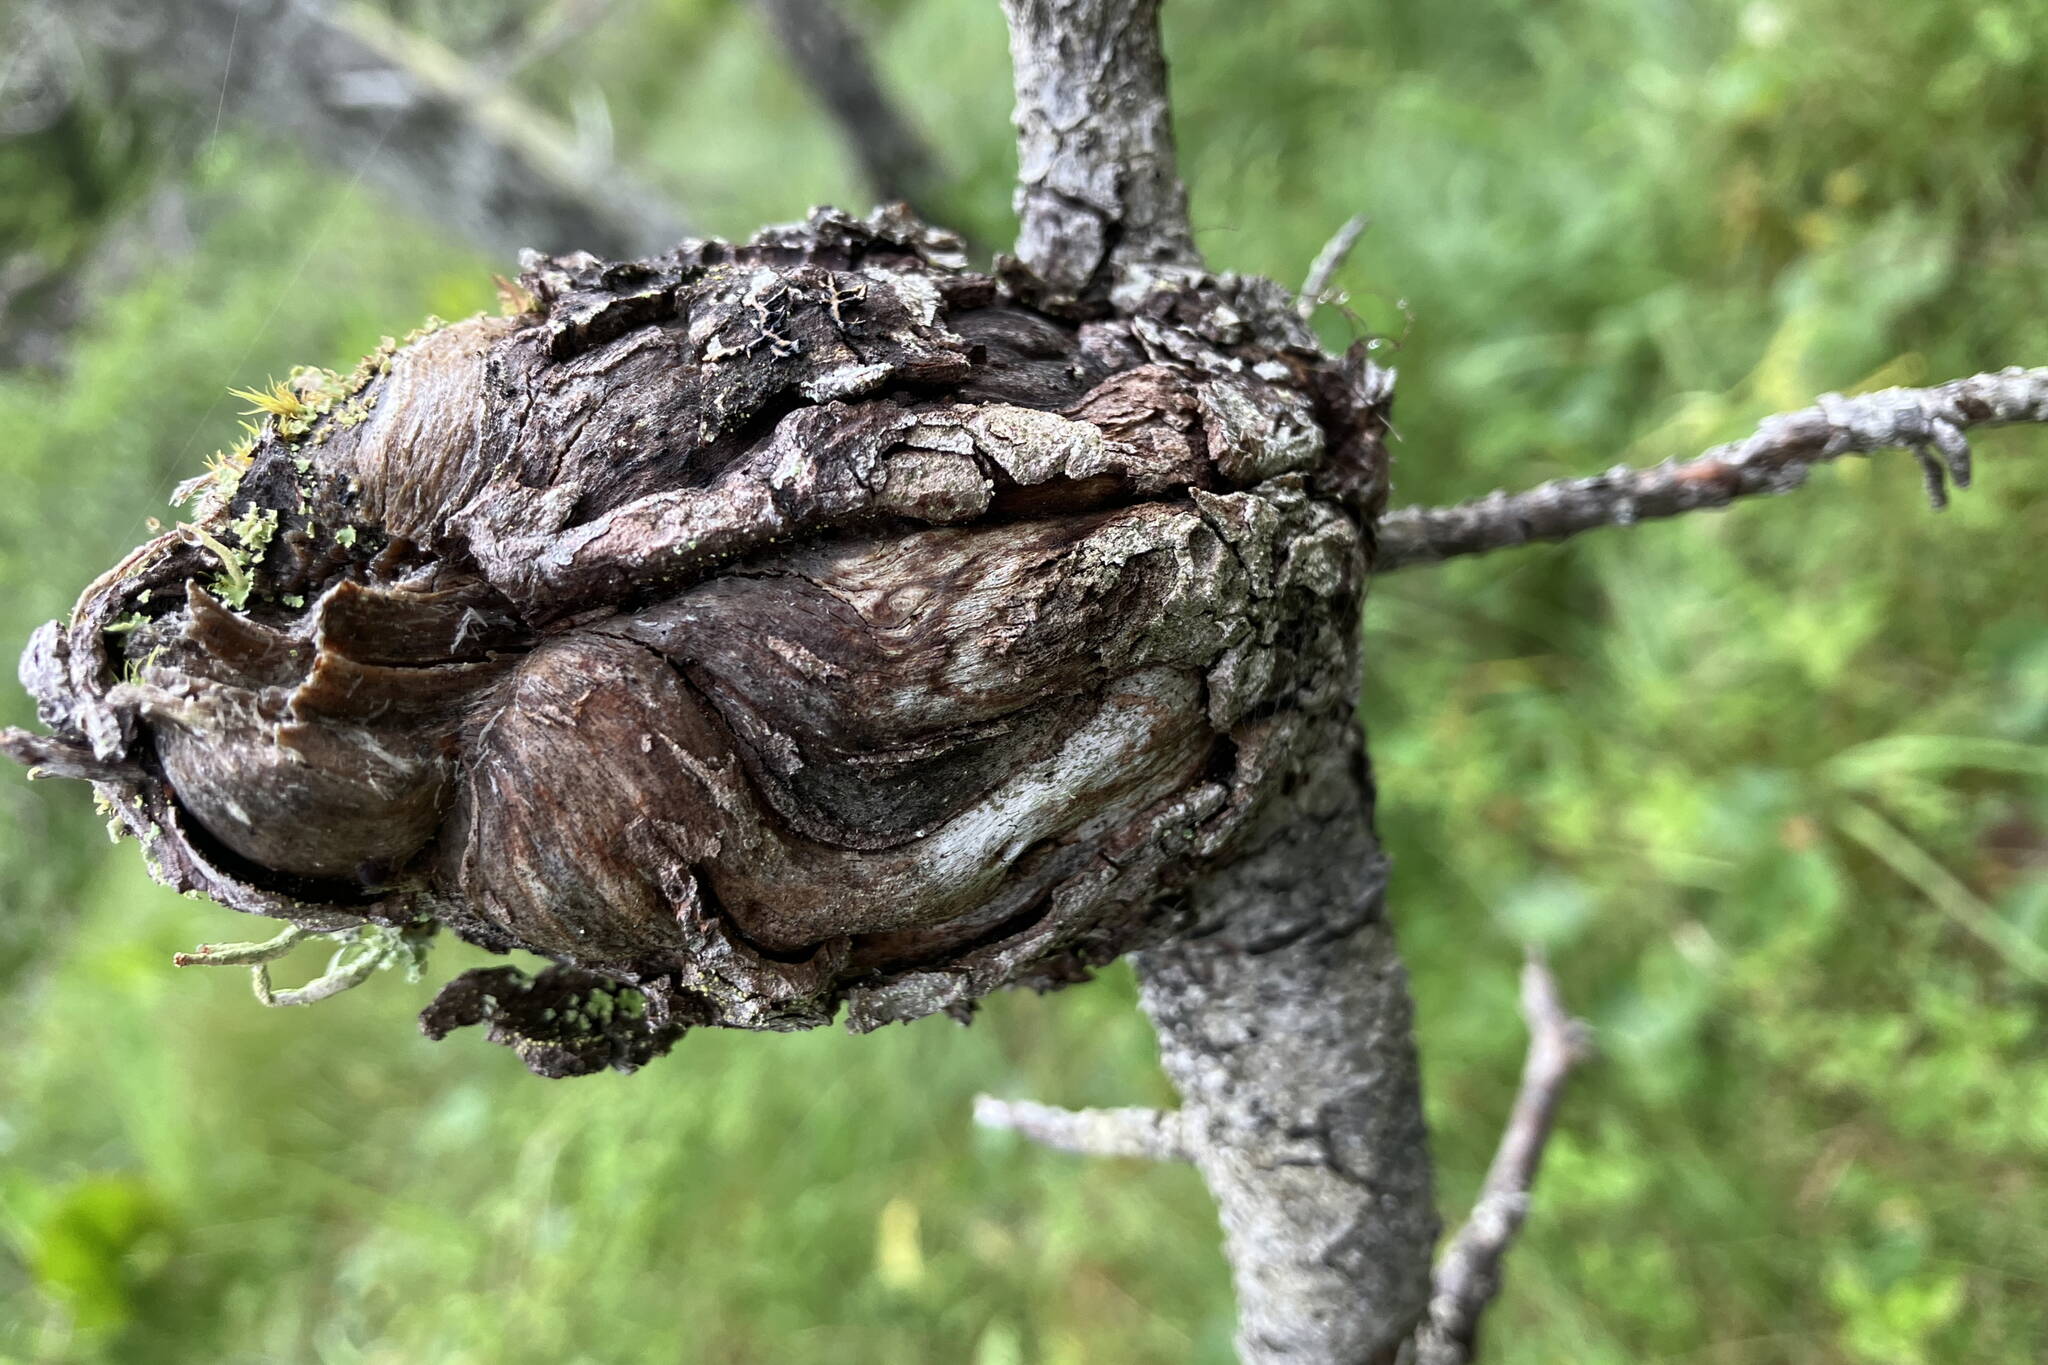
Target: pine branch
[(1098, 188), (1285, 1023), (831, 57), (1776, 459), (442, 136)]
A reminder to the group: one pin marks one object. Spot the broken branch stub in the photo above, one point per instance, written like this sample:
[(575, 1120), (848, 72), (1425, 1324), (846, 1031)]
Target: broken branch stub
[(767, 629)]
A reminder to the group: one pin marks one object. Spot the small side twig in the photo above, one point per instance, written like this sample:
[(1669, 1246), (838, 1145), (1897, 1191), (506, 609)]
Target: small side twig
[(1468, 1276), (1327, 263), (1153, 1134), (1776, 459)]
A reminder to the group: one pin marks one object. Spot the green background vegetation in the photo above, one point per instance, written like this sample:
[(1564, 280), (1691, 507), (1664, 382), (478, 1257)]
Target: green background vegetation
[(1772, 787)]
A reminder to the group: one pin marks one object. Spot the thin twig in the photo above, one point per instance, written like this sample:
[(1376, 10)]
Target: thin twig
[(1153, 1134), (1468, 1277), (832, 58), (1776, 459), (1327, 263)]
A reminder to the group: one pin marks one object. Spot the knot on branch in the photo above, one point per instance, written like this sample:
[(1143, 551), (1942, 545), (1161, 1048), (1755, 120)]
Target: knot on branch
[(766, 628)]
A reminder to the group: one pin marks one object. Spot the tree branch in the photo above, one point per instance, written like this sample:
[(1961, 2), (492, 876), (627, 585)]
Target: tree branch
[(1098, 190), (409, 116), (1468, 1277), (1776, 459), (1284, 1020), (1153, 1134), (832, 58)]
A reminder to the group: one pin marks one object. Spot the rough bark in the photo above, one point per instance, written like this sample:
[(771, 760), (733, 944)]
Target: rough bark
[(408, 116), (1098, 192), (769, 629), (1776, 458), (817, 626), (831, 57), (1284, 1020)]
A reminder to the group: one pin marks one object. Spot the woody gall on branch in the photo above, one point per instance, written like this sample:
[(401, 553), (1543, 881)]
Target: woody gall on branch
[(820, 627)]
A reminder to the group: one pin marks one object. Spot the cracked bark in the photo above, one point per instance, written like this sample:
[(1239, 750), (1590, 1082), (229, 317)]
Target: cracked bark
[(774, 629), (1098, 190)]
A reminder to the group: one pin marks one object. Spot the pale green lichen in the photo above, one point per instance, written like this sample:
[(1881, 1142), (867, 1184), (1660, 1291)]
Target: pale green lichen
[(359, 954), (136, 668), (105, 807), (234, 583), (254, 528)]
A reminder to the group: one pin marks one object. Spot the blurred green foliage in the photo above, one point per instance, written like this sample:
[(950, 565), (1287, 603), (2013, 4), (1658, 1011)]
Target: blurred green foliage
[(1771, 787)]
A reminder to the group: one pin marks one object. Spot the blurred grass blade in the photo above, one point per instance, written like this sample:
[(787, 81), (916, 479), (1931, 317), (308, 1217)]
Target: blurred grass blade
[(1894, 848)]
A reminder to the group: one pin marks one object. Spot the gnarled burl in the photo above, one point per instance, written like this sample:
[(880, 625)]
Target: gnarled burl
[(766, 628)]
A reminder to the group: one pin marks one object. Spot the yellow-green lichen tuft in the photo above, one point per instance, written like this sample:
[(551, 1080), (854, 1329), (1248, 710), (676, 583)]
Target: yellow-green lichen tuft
[(254, 529)]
